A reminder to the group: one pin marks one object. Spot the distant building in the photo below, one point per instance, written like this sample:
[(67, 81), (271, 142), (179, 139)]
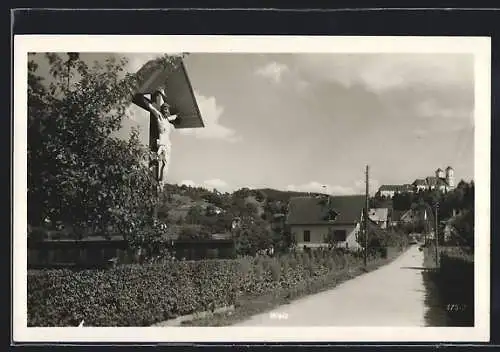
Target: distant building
[(390, 190), (443, 180), (420, 185)]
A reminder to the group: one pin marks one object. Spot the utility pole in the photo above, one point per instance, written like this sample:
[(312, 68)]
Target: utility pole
[(366, 216), (327, 195), (436, 206)]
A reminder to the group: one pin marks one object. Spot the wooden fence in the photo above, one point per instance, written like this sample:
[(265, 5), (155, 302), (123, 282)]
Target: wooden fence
[(71, 253), (99, 252)]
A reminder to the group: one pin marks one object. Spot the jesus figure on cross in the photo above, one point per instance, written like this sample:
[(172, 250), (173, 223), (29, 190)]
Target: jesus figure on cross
[(161, 120)]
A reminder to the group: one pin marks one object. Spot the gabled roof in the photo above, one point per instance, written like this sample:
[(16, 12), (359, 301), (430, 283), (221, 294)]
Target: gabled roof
[(408, 213), (419, 182), (397, 214), (378, 214), (435, 181), (179, 92), (315, 211)]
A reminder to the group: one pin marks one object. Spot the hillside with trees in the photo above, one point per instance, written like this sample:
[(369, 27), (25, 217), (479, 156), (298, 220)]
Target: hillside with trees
[(207, 212)]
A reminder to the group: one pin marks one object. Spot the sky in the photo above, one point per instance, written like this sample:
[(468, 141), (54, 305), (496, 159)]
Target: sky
[(304, 121)]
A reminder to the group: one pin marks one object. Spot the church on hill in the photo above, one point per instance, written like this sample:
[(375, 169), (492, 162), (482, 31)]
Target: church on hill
[(443, 180)]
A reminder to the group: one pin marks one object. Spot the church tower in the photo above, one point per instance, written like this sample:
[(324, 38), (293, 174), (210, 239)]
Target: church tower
[(440, 173), (450, 177)]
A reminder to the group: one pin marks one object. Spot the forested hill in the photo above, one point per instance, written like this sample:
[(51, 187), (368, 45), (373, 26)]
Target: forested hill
[(196, 212), (184, 204), (284, 196), (261, 194)]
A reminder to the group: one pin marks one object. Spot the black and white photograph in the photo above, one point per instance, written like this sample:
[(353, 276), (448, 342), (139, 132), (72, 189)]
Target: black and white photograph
[(269, 184)]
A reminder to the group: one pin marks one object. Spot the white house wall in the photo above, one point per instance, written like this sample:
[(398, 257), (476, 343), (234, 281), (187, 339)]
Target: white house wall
[(387, 193), (319, 234)]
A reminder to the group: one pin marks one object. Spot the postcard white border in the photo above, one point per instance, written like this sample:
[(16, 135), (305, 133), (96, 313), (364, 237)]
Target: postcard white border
[(480, 47)]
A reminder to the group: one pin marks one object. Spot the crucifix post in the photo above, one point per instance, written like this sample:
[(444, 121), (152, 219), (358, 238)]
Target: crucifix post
[(159, 133), (158, 81)]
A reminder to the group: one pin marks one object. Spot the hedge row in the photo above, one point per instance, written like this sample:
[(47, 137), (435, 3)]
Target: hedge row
[(141, 295)]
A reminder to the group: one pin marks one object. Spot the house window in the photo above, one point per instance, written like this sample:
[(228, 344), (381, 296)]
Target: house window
[(339, 235), (307, 236)]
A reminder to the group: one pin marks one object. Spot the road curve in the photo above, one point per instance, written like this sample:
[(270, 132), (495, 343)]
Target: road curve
[(392, 295)]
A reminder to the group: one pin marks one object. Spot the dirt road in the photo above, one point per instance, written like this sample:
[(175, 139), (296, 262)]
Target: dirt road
[(390, 296)]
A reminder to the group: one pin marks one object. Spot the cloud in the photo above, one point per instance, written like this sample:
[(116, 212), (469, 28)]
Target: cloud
[(387, 72), (188, 183), (137, 60), (442, 116), (432, 109), (273, 71), (360, 186), (435, 88), (211, 113), (357, 187), (302, 85), (420, 132), (215, 183), (317, 187)]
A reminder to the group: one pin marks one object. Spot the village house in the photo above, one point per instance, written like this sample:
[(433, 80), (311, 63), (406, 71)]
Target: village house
[(395, 217), (448, 228), (409, 216), (311, 219), (413, 217), (379, 216)]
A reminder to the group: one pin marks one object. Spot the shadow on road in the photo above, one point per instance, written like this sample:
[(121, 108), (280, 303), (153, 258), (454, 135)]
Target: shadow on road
[(414, 267)]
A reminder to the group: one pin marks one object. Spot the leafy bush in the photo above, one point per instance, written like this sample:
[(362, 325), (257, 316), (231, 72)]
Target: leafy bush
[(141, 295), (128, 295), (464, 228)]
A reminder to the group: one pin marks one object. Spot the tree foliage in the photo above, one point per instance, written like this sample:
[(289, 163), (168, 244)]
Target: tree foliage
[(78, 173), (252, 236), (456, 204)]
